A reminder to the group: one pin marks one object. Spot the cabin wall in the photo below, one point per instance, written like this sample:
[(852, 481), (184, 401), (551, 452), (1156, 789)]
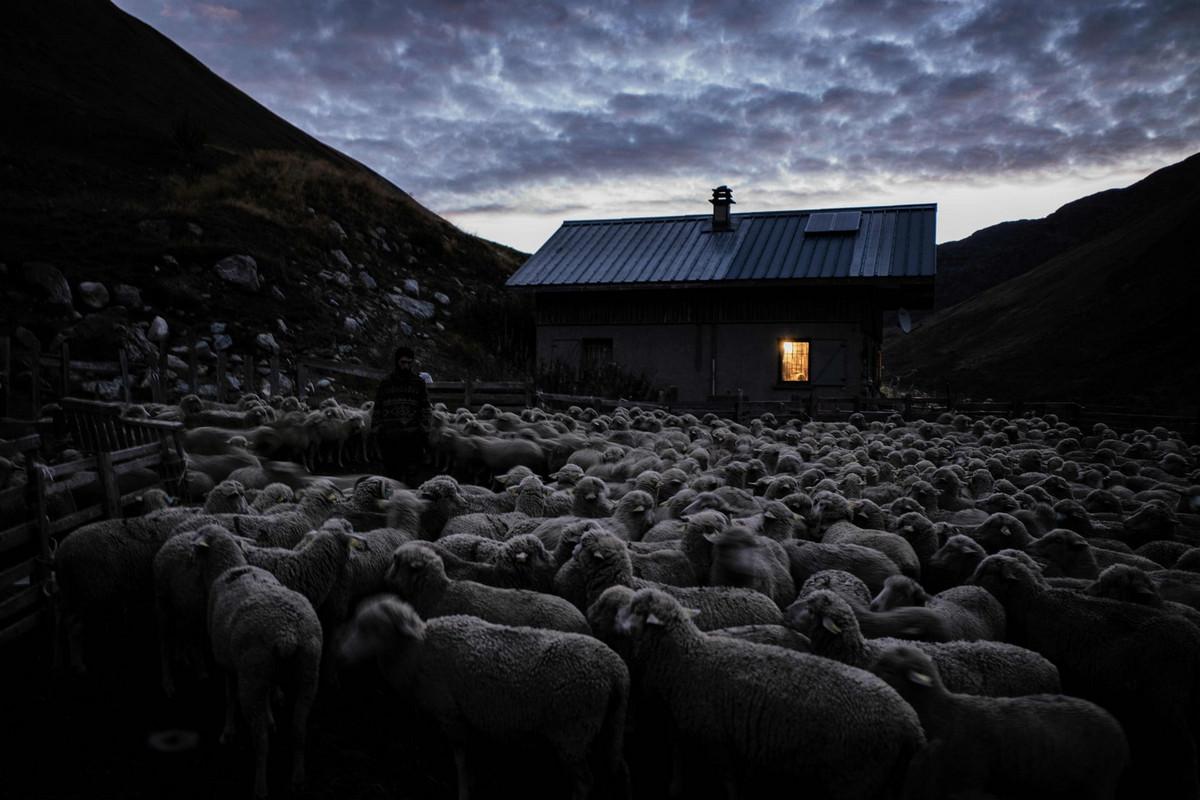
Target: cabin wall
[(705, 343)]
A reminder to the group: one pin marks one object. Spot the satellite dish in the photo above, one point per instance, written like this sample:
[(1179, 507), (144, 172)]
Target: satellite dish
[(904, 320)]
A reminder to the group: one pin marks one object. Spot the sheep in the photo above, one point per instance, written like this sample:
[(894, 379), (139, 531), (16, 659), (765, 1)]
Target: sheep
[(971, 612), (227, 497), (1140, 663), (1132, 585), (893, 545), (362, 505), (1037, 746), (844, 584), (109, 563), (367, 566), (264, 636), (272, 498), (953, 563), (760, 712), (418, 575), (521, 562), (312, 569), (805, 559), (777, 635), (980, 667), (602, 560), (1002, 530), (476, 677), (741, 557), (1069, 554), (284, 528)]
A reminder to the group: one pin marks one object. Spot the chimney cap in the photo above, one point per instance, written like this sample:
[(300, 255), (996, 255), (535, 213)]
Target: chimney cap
[(722, 194)]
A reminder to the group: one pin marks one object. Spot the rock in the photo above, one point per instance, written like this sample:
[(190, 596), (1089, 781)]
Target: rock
[(106, 390), (240, 270), (277, 293), (155, 231), (217, 327), (341, 259), (266, 342), (405, 328), (350, 326), (93, 295), (281, 325), (158, 330), (128, 296), (412, 288), (341, 279), (222, 341), (48, 278), (441, 298), (195, 230), (337, 229), (366, 280), (420, 309), (204, 349)]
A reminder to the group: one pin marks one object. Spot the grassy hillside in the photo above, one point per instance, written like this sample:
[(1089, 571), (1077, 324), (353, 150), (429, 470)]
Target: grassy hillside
[(1110, 321), (134, 164)]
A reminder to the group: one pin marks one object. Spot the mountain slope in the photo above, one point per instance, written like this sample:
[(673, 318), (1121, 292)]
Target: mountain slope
[(997, 253), (1110, 321), (135, 165)]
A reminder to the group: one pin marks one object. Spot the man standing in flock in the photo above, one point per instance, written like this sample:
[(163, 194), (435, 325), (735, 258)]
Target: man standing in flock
[(401, 420)]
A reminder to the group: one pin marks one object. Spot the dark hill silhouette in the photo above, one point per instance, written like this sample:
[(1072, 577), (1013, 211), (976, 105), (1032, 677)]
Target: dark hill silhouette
[(1109, 318), (131, 163)]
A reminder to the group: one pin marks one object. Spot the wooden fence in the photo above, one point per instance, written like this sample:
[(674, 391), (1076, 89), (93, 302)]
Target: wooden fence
[(122, 458), (58, 371)]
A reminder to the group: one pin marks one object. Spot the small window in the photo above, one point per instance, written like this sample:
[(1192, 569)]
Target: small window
[(793, 361), (596, 354)]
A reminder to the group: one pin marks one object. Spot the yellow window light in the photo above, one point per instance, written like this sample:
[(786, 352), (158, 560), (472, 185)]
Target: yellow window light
[(793, 362)]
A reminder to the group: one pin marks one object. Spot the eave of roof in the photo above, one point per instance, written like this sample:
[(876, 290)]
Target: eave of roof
[(763, 248)]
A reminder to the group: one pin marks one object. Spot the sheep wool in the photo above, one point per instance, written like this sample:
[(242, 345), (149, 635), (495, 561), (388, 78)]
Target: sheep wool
[(504, 682), (1038, 746), (838, 731)]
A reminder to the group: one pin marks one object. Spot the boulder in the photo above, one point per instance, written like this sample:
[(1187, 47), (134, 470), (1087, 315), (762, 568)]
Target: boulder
[(93, 295), (128, 296), (240, 270), (52, 282)]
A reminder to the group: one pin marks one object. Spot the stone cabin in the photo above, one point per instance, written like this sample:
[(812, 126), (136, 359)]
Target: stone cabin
[(775, 305)]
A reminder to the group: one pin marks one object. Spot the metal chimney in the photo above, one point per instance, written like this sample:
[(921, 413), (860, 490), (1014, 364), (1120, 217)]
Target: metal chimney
[(721, 200)]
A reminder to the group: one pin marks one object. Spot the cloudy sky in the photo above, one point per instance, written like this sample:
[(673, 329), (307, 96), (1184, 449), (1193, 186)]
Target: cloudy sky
[(507, 117)]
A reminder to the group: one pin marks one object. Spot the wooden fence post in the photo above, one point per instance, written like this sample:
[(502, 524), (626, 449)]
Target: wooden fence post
[(5, 373), (274, 380), (35, 378), (108, 484), (467, 393), (64, 371), (248, 381), (193, 376), (220, 376), (126, 389), (301, 380)]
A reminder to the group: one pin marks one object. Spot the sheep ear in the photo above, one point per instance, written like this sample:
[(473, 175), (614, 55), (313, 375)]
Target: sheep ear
[(920, 678), (652, 619), (828, 624)]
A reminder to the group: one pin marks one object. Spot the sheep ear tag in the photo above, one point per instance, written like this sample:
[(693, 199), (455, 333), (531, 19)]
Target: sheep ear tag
[(919, 678), (828, 624)]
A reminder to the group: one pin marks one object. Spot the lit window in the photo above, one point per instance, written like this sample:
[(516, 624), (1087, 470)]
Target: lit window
[(793, 360)]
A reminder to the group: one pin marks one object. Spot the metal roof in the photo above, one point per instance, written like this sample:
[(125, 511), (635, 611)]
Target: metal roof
[(894, 242)]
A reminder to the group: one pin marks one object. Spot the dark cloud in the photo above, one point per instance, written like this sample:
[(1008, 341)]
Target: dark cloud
[(478, 104)]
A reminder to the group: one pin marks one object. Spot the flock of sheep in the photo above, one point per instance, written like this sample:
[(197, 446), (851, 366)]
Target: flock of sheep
[(966, 607)]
